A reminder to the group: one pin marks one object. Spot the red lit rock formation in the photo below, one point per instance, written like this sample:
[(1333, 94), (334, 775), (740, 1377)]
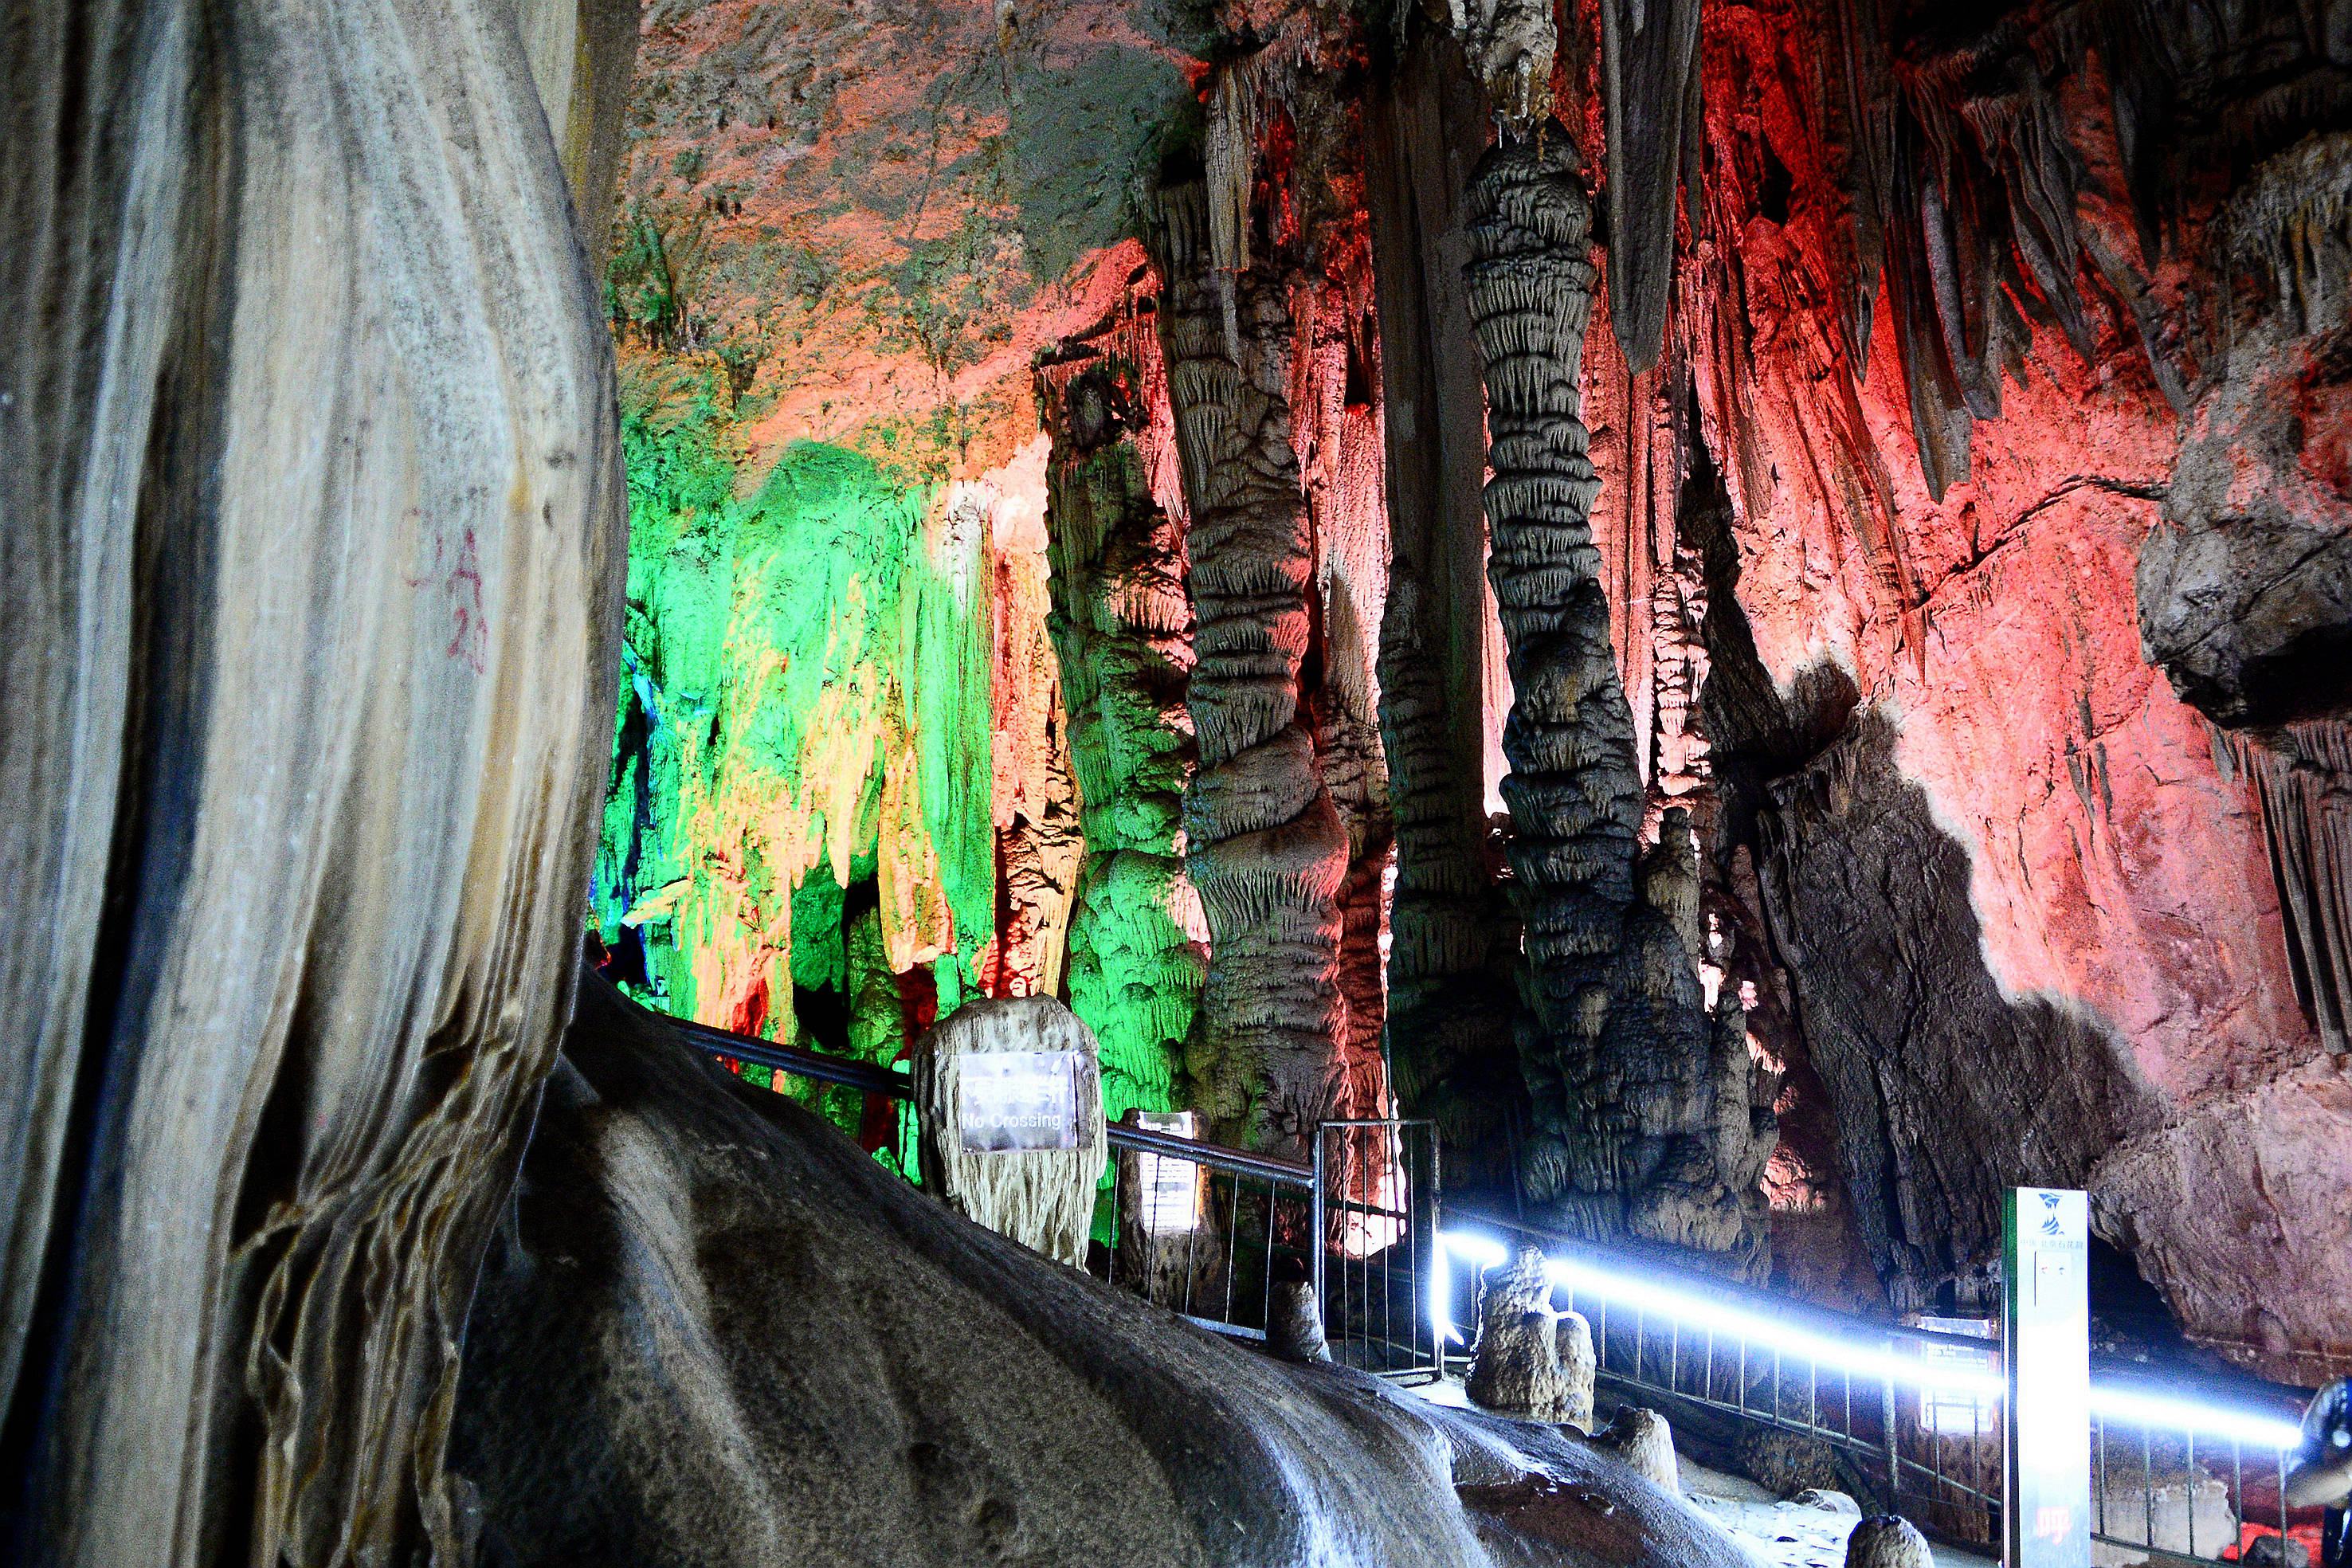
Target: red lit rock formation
[(1930, 719)]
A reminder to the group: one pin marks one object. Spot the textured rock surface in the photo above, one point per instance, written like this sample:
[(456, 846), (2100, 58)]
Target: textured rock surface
[(1572, 1341), (1617, 1045), (1940, 308), (1265, 847), (2245, 585), (1884, 1540), (713, 1330), (1515, 1368), (314, 560), (1122, 626), (1642, 1442), (1452, 941)]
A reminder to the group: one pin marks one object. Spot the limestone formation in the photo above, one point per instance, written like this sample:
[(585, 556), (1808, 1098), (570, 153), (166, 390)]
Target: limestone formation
[(1452, 938), (1572, 1338), (1042, 1198), (1642, 1442), (1515, 1367), (1294, 1328), (313, 555), (1122, 628), (1885, 1541), (2302, 776), (1788, 1464), (1616, 1044), (1267, 849), (2245, 586)]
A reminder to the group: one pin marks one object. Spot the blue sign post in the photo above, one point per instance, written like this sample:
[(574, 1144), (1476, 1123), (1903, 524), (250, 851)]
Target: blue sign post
[(2046, 1328)]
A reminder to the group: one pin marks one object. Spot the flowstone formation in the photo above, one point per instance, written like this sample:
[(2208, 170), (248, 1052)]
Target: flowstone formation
[(313, 560), (1633, 1131), (1122, 627), (815, 692), (711, 1330)]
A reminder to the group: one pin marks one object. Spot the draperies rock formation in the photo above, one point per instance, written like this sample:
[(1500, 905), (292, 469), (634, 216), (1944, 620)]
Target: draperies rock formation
[(313, 555), (1634, 1131)]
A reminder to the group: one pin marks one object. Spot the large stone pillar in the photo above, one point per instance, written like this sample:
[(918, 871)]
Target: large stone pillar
[(1267, 850)]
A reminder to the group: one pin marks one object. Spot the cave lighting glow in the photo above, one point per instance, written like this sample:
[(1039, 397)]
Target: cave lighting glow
[(2109, 1403)]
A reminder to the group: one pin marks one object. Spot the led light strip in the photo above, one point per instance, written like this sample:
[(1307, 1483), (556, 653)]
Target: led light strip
[(1919, 1372)]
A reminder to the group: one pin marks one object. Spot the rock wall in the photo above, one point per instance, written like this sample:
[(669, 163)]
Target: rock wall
[(843, 233), (1941, 306), (314, 555)]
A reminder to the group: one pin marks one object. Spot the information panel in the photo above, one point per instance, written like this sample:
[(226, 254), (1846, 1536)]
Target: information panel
[(1009, 1101), (2046, 1316), (1170, 1188)]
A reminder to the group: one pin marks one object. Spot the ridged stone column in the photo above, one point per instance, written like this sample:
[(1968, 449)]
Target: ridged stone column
[(1615, 1040), (1267, 850)]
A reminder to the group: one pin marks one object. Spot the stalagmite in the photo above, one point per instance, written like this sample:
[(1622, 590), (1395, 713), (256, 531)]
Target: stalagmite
[(1515, 1368), (1039, 1192), (1616, 1044)]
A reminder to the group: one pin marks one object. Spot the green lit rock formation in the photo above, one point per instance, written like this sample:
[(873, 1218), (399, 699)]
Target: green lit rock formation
[(1123, 629), (804, 726)]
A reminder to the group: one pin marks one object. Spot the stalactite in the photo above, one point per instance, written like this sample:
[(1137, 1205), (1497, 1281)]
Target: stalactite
[(1649, 62), (2302, 775), (1123, 632), (1618, 1051)]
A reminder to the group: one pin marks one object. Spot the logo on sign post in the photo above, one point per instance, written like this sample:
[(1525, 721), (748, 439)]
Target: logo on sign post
[(2046, 1319)]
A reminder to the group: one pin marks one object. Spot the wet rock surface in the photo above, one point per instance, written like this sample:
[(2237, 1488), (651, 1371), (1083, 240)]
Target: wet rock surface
[(713, 1330)]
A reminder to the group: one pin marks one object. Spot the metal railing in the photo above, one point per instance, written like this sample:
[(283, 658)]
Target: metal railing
[(1722, 1360), (2190, 1466), (2183, 1468), (1375, 1184), (1206, 1231)]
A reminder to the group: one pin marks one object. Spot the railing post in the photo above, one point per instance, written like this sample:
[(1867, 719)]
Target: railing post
[(1436, 1242), (1315, 1222), (1894, 1446)]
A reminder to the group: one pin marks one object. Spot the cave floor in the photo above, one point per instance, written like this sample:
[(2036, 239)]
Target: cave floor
[(1776, 1533)]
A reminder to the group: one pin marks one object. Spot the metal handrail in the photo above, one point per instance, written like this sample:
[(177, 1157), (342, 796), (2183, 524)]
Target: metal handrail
[(875, 1078), (1826, 1320)]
